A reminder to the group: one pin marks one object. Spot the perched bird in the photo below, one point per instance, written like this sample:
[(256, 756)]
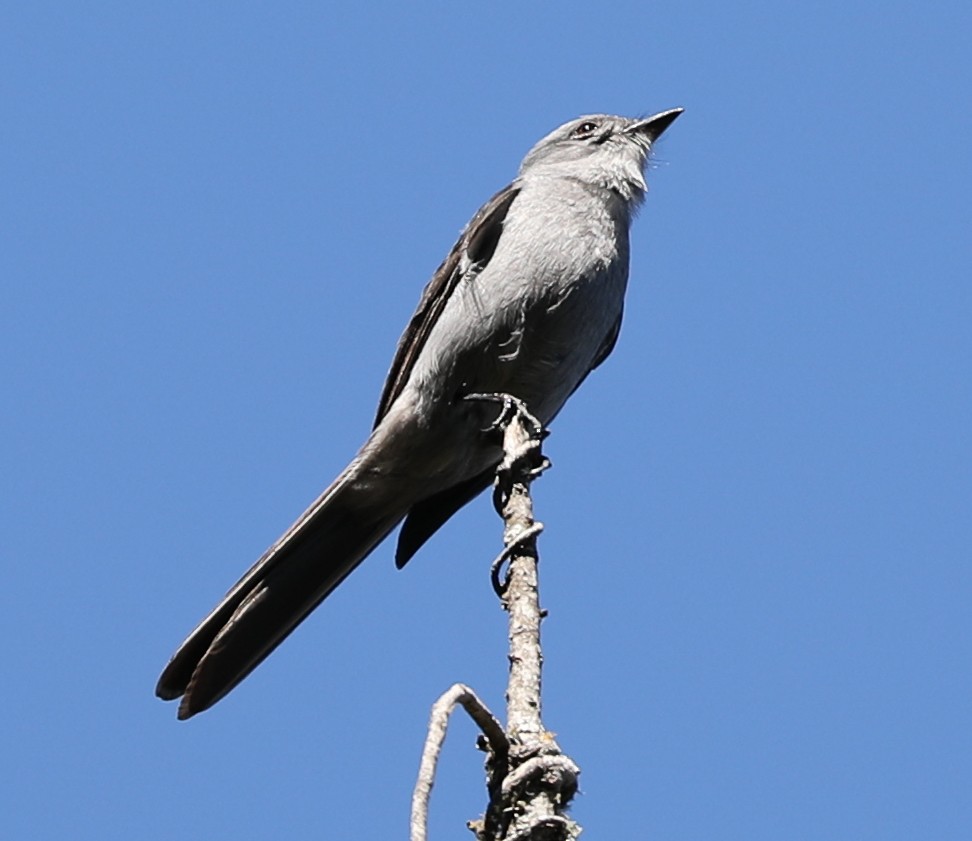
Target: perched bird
[(527, 303)]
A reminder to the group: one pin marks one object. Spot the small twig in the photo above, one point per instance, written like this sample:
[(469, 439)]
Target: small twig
[(497, 566), (438, 723), (555, 770)]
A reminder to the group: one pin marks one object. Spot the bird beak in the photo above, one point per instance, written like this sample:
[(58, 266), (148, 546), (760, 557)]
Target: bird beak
[(653, 126)]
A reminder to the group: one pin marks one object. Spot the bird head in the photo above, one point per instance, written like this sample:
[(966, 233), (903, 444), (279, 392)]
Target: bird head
[(601, 150)]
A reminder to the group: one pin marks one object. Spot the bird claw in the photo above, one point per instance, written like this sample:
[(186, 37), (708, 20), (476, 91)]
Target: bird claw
[(511, 407)]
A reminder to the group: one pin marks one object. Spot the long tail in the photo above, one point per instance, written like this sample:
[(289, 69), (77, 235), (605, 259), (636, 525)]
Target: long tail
[(316, 554)]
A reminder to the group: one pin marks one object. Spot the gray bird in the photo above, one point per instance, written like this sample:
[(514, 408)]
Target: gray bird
[(527, 303)]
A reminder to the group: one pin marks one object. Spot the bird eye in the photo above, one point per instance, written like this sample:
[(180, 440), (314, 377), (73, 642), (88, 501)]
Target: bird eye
[(584, 130)]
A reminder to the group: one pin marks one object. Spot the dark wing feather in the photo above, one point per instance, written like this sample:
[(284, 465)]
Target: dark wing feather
[(426, 518), (610, 340), (604, 351), (476, 244)]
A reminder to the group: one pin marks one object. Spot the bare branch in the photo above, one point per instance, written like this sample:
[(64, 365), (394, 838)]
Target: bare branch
[(529, 780), (522, 463), (541, 781)]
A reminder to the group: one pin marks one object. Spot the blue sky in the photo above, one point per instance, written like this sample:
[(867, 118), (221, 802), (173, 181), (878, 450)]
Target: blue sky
[(216, 219)]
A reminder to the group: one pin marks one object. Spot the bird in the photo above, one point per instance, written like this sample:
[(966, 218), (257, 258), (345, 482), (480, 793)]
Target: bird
[(527, 303)]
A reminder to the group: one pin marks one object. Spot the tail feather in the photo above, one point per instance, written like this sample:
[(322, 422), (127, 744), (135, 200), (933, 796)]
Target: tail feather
[(315, 555)]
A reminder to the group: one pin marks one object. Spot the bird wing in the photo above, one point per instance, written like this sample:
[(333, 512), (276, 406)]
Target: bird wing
[(472, 251), (607, 346)]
